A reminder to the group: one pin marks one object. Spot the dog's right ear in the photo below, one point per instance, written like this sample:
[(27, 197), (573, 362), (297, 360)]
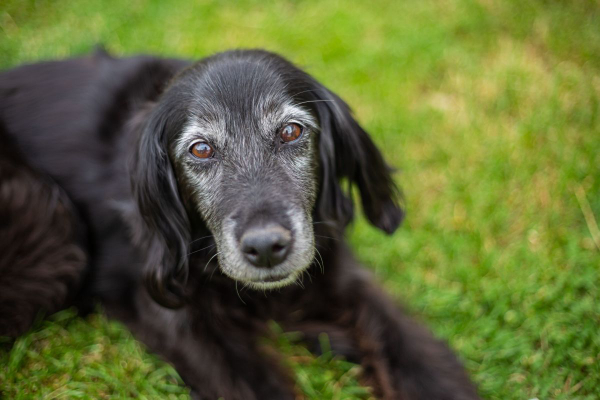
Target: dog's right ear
[(165, 234), (348, 153)]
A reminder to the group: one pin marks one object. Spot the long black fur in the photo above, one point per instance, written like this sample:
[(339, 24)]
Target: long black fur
[(92, 207)]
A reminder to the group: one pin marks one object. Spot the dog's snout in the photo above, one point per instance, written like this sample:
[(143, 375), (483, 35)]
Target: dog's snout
[(266, 246)]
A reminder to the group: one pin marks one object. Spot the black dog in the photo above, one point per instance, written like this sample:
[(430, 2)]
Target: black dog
[(171, 191)]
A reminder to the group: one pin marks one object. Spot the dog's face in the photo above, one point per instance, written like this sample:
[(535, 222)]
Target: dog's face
[(246, 159), (254, 148)]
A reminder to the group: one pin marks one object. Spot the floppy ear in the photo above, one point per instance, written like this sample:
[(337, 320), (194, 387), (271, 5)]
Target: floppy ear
[(347, 152), (165, 231)]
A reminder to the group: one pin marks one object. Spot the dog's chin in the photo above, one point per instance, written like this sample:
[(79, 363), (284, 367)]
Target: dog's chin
[(268, 282), (272, 282)]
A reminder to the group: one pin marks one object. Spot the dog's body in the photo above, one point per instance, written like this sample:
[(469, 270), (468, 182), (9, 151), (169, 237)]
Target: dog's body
[(141, 181)]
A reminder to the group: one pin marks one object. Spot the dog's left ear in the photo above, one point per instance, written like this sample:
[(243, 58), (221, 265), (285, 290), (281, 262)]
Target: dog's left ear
[(347, 152)]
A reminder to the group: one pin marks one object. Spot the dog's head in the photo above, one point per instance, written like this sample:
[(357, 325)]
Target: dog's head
[(251, 149)]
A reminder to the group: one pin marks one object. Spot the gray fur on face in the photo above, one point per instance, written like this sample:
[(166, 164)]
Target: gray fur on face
[(252, 173)]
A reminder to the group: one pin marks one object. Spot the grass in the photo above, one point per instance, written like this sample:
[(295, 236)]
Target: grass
[(491, 110)]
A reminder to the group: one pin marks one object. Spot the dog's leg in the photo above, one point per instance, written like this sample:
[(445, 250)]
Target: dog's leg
[(41, 257), (216, 356), (404, 359), (401, 359)]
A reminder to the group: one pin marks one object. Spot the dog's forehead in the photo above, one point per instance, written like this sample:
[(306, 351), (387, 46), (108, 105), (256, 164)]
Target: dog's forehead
[(243, 88), (240, 101)]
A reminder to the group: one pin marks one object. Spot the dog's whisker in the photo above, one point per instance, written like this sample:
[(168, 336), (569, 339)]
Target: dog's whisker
[(319, 264), (316, 101), (210, 259), (238, 293), (299, 282), (327, 237), (322, 264), (323, 246), (245, 286), (329, 223), (309, 275), (307, 91), (203, 237), (204, 248)]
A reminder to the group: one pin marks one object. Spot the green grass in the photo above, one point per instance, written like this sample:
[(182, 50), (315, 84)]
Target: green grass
[(490, 109)]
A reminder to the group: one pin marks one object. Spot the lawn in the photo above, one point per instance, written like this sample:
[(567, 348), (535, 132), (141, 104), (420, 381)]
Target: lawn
[(491, 112)]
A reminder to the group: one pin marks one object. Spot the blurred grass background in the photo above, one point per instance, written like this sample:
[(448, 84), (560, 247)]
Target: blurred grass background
[(490, 109)]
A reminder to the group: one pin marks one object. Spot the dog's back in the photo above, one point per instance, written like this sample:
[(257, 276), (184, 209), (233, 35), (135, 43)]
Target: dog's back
[(63, 155), (67, 117)]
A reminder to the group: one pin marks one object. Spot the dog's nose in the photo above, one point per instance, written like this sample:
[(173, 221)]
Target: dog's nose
[(267, 246)]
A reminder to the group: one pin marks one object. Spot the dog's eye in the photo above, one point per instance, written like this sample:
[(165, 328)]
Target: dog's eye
[(202, 150), (290, 132)]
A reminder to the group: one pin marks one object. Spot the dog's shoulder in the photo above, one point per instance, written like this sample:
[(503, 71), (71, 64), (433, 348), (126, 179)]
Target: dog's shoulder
[(95, 80), (80, 100), (69, 118)]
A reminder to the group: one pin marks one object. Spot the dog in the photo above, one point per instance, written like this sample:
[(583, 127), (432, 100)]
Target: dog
[(196, 202)]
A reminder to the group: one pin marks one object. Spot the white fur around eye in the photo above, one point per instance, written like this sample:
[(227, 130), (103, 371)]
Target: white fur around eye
[(196, 130)]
